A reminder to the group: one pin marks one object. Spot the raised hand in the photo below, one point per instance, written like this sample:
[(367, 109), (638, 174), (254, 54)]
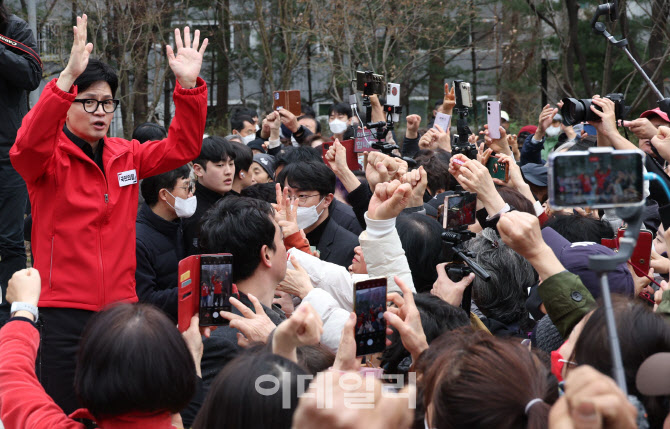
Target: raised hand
[(79, 55), (25, 286), (418, 180), (546, 116), (406, 320), (188, 61), (607, 124), (296, 281), (661, 142), (303, 328), (337, 158), (500, 145), (413, 122), (253, 327), (345, 359), (642, 128), (448, 290), (449, 100), (388, 200)]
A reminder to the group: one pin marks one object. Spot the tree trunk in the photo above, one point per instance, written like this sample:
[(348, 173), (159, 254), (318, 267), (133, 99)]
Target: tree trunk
[(573, 33), (657, 42)]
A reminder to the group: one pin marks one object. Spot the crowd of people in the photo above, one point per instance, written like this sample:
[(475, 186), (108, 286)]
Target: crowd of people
[(91, 336)]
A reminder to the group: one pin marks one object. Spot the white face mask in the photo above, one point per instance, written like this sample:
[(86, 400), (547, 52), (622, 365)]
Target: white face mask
[(248, 139), (337, 126), (184, 207), (553, 131), (307, 216)]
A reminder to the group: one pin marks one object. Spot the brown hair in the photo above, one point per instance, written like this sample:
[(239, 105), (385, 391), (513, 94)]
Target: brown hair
[(516, 199), (476, 380)]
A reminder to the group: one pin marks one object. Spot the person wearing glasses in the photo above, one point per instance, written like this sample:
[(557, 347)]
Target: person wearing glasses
[(168, 198), (311, 185), (83, 188)]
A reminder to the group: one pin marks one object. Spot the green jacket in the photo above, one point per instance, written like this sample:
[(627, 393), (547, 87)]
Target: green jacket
[(664, 307), (566, 300)]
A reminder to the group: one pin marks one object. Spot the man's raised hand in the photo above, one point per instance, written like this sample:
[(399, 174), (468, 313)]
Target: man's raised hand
[(186, 64), (79, 55), (389, 199)]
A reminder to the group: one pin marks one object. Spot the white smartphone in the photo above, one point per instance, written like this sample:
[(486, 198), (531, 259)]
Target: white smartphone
[(443, 120), (493, 118), (393, 98)]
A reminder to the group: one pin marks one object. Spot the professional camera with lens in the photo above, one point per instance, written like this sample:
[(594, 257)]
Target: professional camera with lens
[(575, 111)]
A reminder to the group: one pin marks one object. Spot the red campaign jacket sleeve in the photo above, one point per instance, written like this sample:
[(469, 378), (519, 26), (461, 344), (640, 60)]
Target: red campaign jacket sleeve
[(37, 138), (23, 402), (184, 139)]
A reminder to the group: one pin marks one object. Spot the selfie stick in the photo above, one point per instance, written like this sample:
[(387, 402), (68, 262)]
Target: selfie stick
[(602, 264), (611, 10)]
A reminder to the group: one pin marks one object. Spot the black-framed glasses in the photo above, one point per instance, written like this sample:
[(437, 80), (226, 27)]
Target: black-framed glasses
[(91, 105)]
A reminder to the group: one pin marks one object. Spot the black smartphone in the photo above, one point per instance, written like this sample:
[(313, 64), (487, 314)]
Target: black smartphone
[(369, 306), (216, 285), (597, 178), (458, 210)]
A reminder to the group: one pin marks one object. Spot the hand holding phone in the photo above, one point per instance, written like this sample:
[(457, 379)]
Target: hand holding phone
[(288, 100), (407, 320), (498, 169), (205, 284)]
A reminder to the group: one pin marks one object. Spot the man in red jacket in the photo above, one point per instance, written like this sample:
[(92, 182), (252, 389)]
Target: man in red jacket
[(83, 188)]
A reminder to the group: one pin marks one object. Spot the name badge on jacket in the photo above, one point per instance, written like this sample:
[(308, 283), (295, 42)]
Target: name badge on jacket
[(127, 178)]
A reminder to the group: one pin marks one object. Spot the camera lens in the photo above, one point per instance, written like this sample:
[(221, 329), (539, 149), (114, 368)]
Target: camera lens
[(590, 116), (573, 111)]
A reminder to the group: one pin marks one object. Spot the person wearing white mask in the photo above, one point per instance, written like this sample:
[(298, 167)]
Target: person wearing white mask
[(243, 125), (168, 198), (311, 185), (339, 121)]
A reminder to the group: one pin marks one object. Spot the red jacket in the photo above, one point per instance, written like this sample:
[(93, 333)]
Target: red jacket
[(24, 403), (83, 236)]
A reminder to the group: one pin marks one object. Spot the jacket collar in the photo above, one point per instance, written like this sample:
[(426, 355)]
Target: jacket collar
[(129, 421), (206, 194), (148, 217), (113, 148)]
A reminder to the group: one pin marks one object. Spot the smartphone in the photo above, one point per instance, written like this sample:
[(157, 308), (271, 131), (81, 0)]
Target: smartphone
[(462, 93), (641, 257), (498, 170), (493, 118), (443, 120), (597, 178), (460, 210), (216, 285), (288, 100), (369, 306)]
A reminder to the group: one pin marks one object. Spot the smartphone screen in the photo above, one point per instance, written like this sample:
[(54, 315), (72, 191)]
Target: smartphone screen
[(460, 210), (597, 179), (370, 305), (216, 284)]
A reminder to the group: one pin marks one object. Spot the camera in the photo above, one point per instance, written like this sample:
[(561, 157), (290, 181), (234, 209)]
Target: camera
[(370, 83), (575, 111)]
